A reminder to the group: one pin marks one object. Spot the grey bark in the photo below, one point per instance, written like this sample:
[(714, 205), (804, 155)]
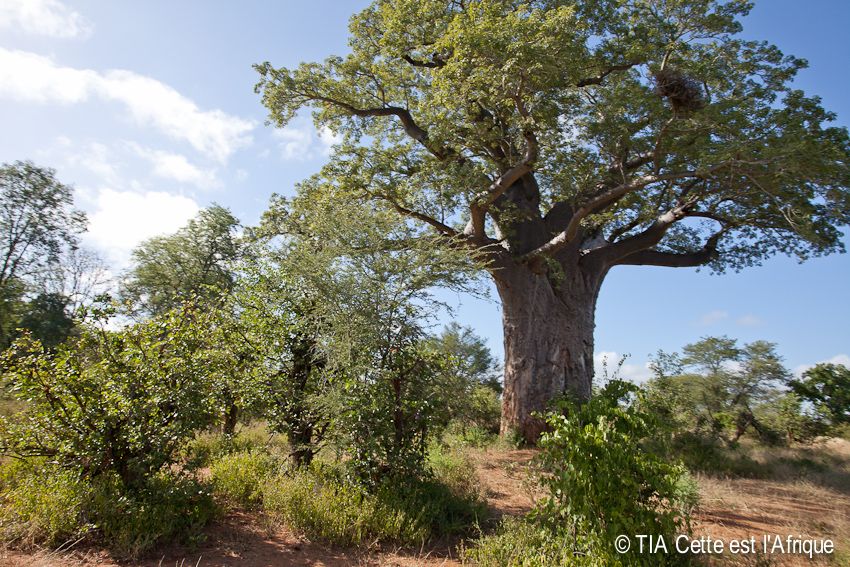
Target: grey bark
[(548, 324)]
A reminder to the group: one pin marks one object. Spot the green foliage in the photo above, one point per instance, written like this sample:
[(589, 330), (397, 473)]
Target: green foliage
[(336, 512), (45, 505), (209, 446), (470, 357), (827, 386), (328, 295), (42, 504), (470, 385), (46, 318), (38, 224), (324, 506), (238, 477), (786, 416), (600, 479), (596, 118), (167, 508), (718, 389), (391, 416), (454, 469), (523, 543), (115, 401), (196, 261)]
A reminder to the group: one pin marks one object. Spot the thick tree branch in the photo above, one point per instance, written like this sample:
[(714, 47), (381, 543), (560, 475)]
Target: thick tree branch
[(411, 128), (485, 199), (606, 198), (440, 227), (434, 63), (601, 76), (674, 260), (601, 200)]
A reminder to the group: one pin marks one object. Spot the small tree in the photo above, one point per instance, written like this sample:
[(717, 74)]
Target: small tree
[(47, 318), (716, 387), (471, 384), (602, 480), (332, 301)]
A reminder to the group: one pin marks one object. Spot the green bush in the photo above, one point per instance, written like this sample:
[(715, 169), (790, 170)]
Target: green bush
[(458, 434), (119, 402), (521, 542), (41, 504), (335, 512), (390, 418), (711, 456), (210, 446), (325, 506), (602, 480), (455, 470), (238, 477), (167, 509)]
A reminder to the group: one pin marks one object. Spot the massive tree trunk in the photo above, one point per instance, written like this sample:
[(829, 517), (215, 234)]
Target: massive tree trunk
[(548, 325)]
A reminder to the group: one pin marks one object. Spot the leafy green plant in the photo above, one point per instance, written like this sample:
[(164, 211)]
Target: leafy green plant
[(42, 504), (118, 402), (238, 477), (168, 508), (321, 503), (600, 482), (392, 414)]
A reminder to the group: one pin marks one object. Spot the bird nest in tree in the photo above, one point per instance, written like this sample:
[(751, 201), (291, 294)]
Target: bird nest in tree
[(685, 94)]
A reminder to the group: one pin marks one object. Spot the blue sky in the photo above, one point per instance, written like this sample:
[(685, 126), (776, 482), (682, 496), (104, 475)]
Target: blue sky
[(148, 109)]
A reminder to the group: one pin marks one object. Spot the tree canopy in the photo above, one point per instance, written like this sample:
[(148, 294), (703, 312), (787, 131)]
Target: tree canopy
[(655, 133), (197, 260)]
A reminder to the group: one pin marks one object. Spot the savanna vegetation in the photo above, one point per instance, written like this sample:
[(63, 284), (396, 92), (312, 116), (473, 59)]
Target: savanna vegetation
[(292, 371)]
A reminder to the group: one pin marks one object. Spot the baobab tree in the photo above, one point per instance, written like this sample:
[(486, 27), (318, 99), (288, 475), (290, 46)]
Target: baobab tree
[(558, 139)]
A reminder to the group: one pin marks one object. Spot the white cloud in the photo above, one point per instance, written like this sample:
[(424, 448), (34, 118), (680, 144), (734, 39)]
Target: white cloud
[(43, 17), (713, 317), (30, 77), (176, 167), (300, 141), (94, 157), (749, 320), (607, 361), (120, 220), (841, 359)]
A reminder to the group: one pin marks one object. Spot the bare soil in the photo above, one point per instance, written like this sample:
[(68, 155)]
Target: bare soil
[(729, 509)]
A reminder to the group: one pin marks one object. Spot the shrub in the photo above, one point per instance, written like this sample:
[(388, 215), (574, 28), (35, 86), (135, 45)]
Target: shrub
[(336, 512), (45, 505), (41, 504), (209, 446), (114, 402), (390, 417), (167, 508), (325, 506), (601, 480), (455, 470), (521, 542), (238, 477)]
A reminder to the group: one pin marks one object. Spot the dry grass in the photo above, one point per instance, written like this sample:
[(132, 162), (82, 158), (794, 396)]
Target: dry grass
[(806, 493)]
